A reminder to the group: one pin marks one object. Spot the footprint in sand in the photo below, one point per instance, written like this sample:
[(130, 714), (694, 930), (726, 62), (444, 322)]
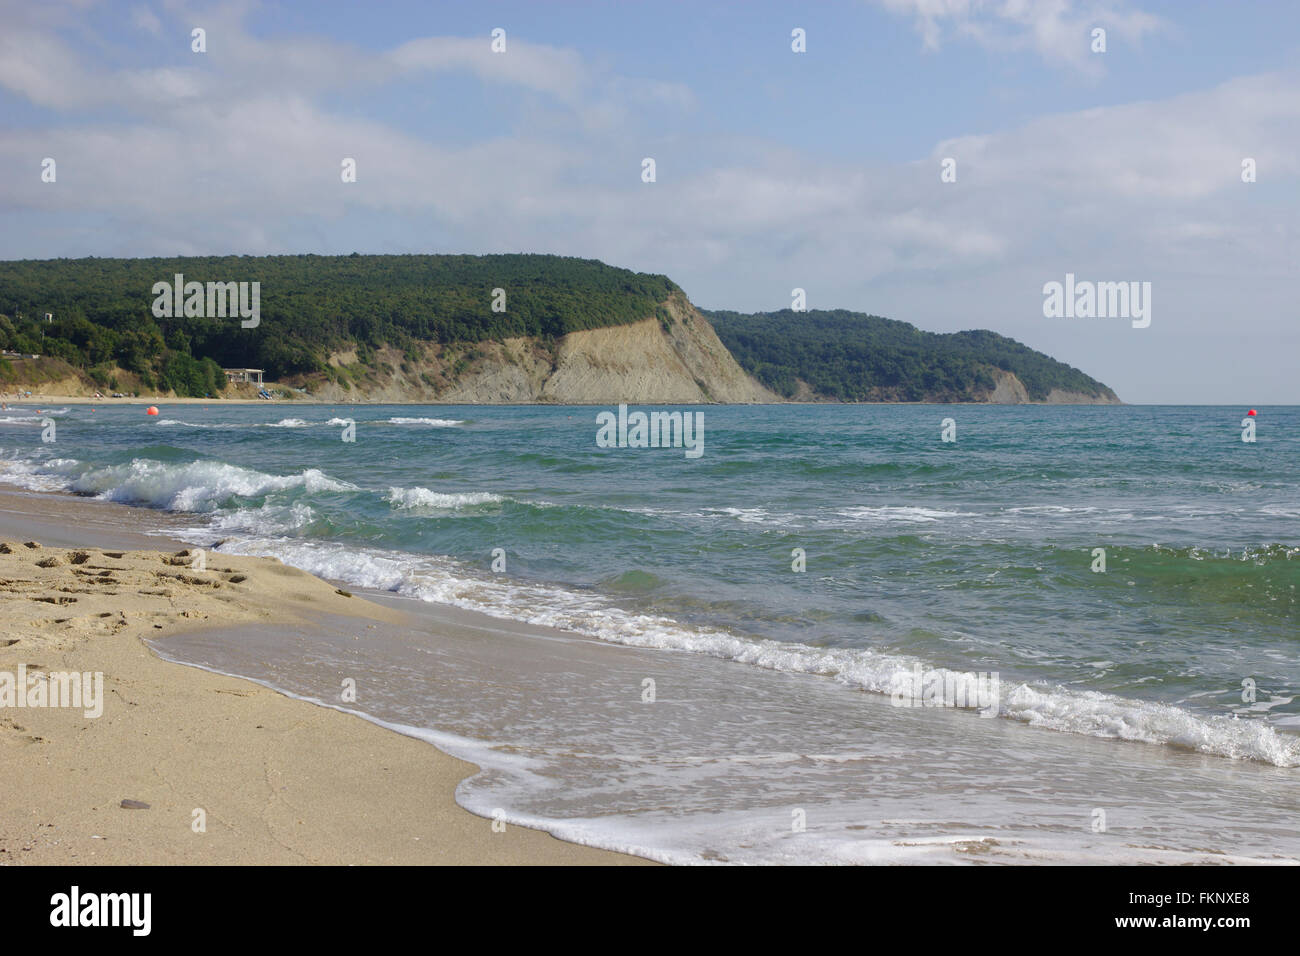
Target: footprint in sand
[(18, 734)]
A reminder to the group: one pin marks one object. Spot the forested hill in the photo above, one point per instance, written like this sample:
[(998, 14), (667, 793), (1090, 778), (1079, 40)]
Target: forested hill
[(310, 306), (424, 327), (852, 357)]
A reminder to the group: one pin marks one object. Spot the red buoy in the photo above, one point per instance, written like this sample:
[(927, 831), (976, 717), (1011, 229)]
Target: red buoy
[(151, 410), (1251, 412)]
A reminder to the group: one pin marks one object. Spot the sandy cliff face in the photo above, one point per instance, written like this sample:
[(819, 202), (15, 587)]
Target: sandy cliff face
[(679, 360), (1007, 389), (674, 360), (1059, 396)]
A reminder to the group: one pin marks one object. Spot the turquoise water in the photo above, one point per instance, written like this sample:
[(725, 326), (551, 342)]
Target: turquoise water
[(974, 556)]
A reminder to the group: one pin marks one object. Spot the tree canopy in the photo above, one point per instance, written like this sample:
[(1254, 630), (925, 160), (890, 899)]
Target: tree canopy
[(310, 306), (853, 357)]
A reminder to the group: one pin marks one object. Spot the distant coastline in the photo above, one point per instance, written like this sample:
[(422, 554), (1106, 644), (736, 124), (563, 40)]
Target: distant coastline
[(490, 330), (48, 398)]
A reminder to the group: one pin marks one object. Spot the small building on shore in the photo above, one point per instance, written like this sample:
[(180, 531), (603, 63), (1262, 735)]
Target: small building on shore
[(236, 376)]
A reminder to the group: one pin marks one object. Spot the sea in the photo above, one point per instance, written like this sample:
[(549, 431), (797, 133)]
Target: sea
[(837, 634)]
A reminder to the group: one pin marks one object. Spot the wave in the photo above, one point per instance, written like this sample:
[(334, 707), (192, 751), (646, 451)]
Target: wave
[(854, 516), (1098, 714), (303, 423), (197, 486), (14, 415), (1250, 554), (266, 519), (424, 498), (1091, 713), (434, 422), (911, 515), (49, 474), (205, 486), (754, 516), (242, 426)]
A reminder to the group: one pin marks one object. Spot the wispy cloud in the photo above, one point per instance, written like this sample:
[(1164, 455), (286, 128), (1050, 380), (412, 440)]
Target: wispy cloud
[(1058, 31), (145, 19)]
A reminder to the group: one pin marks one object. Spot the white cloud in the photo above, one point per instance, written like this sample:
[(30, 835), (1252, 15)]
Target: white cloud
[(559, 73), (1059, 31)]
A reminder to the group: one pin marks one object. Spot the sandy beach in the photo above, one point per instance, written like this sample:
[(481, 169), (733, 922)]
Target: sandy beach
[(277, 780)]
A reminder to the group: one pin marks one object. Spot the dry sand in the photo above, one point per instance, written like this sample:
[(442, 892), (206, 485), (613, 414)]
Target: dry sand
[(281, 781)]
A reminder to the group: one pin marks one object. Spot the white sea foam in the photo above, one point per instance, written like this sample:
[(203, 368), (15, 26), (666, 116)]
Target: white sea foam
[(174, 422), (911, 515), (266, 519), (49, 474), (756, 516), (212, 426), (233, 426), (433, 422), (1049, 510), (189, 486), (424, 498), (14, 415), (1280, 512), (1106, 715)]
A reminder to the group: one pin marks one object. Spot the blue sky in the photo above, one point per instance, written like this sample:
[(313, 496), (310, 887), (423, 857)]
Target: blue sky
[(775, 170)]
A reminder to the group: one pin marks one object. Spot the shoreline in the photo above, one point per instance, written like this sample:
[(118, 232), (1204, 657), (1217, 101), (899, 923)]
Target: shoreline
[(43, 398), (279, 780)]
